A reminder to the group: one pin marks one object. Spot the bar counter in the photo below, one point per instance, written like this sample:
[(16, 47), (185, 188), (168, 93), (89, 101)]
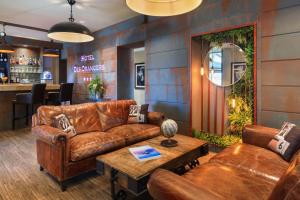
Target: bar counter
[(7, 94)]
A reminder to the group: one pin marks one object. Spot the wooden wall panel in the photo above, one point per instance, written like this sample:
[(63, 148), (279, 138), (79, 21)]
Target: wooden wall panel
[(275, 119), (284, 72), (280, 61), (281, 47), (275, 22), (281, 98)]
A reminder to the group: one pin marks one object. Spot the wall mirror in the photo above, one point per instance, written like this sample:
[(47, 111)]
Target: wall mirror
[(225, 64)]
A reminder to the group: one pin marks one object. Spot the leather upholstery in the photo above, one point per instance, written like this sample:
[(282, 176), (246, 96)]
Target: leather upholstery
[(166, 185), (156, 118), (258, 135), (242, 171), (49, 134), (288, 187), (255, 160), (114, 113), (84, 117), (133, 133), (230, 183), (64, 157), (94, 143)]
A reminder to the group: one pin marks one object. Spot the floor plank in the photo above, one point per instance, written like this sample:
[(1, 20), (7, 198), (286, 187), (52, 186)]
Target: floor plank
[(20, 177)]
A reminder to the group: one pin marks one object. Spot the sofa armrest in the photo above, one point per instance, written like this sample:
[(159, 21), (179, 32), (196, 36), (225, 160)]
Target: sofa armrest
[(165, 185), (155, 118), (258, 135), (49, 134)]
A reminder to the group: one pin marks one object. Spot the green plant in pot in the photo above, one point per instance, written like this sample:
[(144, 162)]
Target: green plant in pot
[(96, 88)]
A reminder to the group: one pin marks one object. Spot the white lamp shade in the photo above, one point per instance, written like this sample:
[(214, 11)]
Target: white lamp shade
[(163, 7)]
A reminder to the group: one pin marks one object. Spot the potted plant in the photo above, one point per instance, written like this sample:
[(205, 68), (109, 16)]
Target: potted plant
[(96, 88)]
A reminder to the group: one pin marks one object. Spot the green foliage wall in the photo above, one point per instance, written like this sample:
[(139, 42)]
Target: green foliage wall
[(242, 91)]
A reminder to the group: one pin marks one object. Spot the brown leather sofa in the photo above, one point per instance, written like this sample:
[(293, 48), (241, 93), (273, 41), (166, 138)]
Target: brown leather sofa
[(101, 128), (242, 171)]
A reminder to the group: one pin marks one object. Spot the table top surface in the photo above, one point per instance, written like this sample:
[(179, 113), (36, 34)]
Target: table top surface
[(24, 87), (123, 161)]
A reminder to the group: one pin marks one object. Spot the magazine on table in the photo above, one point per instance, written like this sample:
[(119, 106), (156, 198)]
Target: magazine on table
[(144, 153)]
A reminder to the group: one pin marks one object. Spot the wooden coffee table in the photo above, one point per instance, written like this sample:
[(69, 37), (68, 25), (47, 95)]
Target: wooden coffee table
[(132, 174)]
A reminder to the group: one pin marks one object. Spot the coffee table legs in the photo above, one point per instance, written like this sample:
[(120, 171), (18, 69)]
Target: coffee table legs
[(121, 194)]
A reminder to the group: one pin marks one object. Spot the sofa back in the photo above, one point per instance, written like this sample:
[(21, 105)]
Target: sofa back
[(84, 117), (114, 113), (88, 117), (288, 186)]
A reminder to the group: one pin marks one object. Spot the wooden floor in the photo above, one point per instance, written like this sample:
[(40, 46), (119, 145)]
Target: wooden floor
[(20, 177)]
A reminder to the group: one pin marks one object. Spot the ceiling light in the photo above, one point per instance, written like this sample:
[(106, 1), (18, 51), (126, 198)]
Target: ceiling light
[(53, 53), (163, 7), (70, 31), (4, 47)]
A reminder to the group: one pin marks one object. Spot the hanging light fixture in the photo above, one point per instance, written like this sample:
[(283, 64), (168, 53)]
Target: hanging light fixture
[(70, 31), (4, 47), (163, 7), (53, 53)]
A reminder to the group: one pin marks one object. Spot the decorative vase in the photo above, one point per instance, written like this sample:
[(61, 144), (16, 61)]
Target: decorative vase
[(97, 95), (169, 128)]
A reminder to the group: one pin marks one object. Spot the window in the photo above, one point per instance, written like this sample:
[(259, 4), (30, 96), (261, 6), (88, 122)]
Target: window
[(215, 65)]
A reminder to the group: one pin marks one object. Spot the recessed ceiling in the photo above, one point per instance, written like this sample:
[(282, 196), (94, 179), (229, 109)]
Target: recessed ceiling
[(94, 14)]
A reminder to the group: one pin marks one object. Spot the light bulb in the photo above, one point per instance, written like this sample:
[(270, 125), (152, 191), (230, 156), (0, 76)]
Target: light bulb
[(233, 103), (202, 71)]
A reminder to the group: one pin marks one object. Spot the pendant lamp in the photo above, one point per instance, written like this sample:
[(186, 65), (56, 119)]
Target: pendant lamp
[(163, 8), (70, 31), (4, 47)]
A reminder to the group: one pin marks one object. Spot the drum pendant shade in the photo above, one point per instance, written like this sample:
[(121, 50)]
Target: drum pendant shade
[(163, 7), (70, 31)]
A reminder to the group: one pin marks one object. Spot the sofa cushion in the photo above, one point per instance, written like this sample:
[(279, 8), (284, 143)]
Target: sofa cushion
[(114, 113), (287, 141), (253, 159), (230, 183), (46, 114), (134, 133), (93, 143), (84, 117)]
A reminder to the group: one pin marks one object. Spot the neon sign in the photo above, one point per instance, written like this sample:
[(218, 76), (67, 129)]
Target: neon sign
[(87, 58), (93, 68), (87, 68)]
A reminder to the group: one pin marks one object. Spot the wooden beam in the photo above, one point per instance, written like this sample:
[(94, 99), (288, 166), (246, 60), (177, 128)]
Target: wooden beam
[(23, 26), (18, 41)]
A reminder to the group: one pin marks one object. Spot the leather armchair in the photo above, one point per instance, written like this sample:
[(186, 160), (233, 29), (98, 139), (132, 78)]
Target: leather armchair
[(241, 171)]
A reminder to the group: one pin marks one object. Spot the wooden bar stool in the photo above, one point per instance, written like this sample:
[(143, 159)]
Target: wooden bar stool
[(35, 97), (65, 94)]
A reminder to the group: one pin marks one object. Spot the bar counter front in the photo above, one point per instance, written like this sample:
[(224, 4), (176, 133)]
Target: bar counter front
[(7, 95)]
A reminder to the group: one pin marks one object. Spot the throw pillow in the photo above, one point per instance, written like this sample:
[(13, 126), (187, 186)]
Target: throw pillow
[(138, 114), (62, 122), (287, 141)]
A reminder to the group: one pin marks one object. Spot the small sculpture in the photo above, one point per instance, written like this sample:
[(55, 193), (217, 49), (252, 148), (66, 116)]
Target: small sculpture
[(169, 128)]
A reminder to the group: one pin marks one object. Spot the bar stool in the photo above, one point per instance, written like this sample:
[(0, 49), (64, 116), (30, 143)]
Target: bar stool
[(35, 97), (65, 94)]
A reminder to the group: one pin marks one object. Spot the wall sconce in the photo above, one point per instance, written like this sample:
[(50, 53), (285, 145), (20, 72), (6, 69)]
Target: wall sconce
[(202, 71)]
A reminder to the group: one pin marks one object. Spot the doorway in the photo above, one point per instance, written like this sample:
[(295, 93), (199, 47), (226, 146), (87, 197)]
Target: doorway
[(131, 72)]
